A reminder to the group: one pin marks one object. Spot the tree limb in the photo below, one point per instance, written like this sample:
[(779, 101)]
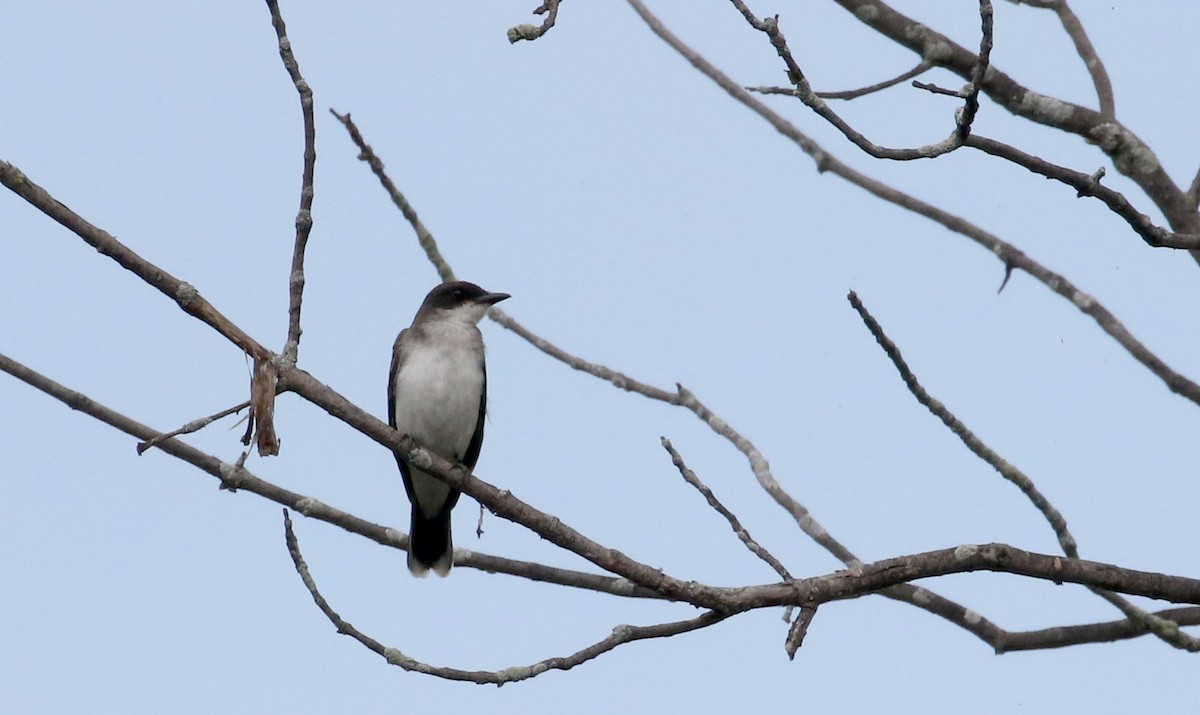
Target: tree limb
[(1011, 256), (304, 217), (184, 294), (620, 635)]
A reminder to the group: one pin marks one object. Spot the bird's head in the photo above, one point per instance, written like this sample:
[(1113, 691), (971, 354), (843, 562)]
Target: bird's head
[(459, 301)]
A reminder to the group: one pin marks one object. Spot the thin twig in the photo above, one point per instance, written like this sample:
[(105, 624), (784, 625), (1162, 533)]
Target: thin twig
[(762, 473), (1165, 630), (740, 531), (978, 72), (424, 237), (935, 89), (921, 67), (620, 635), (972, 442), (194, 426), (1084, 48), (802, 90), (616, 378), (304, 217), (1089, 185)]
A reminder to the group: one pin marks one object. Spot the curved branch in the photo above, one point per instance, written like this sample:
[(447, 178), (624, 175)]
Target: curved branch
[(304, 218), (620, 635), (849, 94), (921, 68)]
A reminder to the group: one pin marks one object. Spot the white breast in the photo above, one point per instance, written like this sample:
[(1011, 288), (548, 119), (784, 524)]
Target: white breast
[(437, 392)]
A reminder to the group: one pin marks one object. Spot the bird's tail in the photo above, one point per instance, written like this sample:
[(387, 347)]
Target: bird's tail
[(430, 545)]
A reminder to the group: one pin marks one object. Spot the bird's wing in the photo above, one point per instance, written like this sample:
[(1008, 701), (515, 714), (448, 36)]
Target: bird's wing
[(472, 453), (397, 360)]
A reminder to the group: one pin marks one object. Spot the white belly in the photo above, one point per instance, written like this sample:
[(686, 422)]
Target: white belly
[(437, 392)]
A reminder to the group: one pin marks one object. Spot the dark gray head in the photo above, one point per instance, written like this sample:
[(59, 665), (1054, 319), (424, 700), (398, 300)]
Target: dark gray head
[(458, 301)]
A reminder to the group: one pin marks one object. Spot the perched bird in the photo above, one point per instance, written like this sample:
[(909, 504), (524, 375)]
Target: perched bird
[(437, 394)]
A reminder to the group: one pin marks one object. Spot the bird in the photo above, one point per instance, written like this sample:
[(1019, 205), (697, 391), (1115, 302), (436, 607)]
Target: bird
[(437, 394)]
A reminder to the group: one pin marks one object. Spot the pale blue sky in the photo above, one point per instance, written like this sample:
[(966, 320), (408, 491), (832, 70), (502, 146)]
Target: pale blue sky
[(640, 219)]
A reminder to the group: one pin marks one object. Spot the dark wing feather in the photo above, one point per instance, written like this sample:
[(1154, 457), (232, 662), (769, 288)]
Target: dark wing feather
[(472, 455), (391, 392)]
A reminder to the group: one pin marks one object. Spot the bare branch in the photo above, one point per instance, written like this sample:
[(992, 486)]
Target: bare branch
[(194, 426), (920, 597), (304, 218), (184, 294), (743, 535), (921, 67), (1089, 185), (1083, 46), (916, 71), (1011, 256), (799, 629), (967, 558), (618, 379), (1065, 636), (1165, 630), (933, 88), (529, 32), (1130, 155), (963, 120), (235, 477), (1010, 473), (996, 557), (621, 635), (883, 576), (502, 503), (424, 237), (762, 472)]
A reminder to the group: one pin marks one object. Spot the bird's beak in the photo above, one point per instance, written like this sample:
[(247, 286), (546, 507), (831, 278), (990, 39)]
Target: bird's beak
[(492, 298)]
